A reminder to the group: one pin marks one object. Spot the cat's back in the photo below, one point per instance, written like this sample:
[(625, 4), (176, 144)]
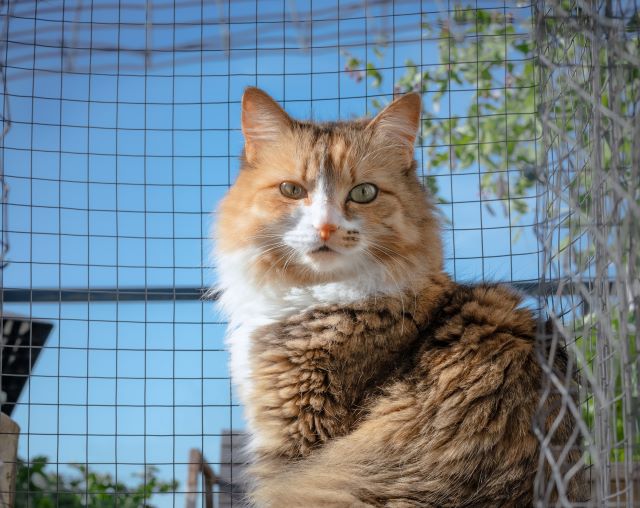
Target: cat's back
[(469, 314), (476, 325), (475, 385), (476, 372)]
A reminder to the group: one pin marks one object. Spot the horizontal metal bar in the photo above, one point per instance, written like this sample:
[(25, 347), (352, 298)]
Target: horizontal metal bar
[(181, 293), (186, 293), (49, 295)]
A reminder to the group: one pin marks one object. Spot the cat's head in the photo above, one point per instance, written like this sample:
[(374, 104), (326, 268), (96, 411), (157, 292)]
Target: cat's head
[(324, 202)]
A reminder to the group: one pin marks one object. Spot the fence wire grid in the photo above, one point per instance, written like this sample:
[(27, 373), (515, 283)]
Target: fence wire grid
[(589, 225), (121, 133)]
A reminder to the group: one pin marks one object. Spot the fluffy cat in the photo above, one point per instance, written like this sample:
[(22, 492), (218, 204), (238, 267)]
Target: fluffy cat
[(369, 377)]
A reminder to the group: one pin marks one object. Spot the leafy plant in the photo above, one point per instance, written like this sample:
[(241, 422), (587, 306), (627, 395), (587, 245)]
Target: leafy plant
[(586, 343), (38, 487), (481, 52)]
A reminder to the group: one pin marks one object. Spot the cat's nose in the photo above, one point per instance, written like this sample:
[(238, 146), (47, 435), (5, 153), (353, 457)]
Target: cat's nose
[(326, 230)]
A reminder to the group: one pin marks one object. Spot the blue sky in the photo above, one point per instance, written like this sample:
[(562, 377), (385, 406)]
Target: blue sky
[(113, 175)]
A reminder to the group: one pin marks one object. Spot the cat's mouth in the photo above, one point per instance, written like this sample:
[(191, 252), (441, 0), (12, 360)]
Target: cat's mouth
[(323, 249)]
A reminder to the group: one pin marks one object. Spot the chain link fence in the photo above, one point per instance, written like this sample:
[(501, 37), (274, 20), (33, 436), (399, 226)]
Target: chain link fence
[(589, 216)]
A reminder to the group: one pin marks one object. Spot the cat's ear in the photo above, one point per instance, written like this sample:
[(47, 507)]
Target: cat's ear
[(397, 125), (263, 121)]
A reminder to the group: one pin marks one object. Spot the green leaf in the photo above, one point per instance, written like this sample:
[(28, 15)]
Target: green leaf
[(374, 74)]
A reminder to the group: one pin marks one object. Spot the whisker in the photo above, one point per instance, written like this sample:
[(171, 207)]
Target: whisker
[(273, 264), (395, 282), (409, 263), (389, 250)]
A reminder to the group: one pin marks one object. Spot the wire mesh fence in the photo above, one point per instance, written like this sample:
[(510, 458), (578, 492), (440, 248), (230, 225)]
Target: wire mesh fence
[(121, 133), (589, 228)]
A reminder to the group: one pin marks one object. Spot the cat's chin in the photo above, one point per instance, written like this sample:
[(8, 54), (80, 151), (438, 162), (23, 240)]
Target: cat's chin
[(325, 259)]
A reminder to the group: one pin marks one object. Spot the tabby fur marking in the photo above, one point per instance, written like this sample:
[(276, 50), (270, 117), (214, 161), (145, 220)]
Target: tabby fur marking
[(369, 377)]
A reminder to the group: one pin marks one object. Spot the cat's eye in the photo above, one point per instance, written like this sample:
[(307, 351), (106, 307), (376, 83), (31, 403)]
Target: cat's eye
[(292, 190), (363, 193)]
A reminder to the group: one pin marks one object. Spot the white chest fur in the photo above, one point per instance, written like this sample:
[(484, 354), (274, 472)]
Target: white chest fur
[(250, 305)]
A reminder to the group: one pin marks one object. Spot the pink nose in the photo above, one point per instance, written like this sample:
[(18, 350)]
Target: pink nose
[(326, 230)]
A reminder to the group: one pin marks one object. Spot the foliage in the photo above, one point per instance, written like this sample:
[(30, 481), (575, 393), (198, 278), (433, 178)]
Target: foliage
[(38, 487), (588, 360), (488, 58), (591, 110), (485, 56)]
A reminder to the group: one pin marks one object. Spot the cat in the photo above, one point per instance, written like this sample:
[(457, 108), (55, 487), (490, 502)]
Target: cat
[(369, 377)]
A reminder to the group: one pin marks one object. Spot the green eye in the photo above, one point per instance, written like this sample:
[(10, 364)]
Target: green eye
[(292, 190), (363, 193)]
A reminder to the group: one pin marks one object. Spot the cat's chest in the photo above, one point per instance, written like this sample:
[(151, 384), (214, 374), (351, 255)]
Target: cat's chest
[(252, 305), (251, 309)]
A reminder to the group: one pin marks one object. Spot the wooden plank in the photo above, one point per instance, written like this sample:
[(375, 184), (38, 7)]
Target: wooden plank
[(198, 465), (192, 478), (624, 489), (9, 434)]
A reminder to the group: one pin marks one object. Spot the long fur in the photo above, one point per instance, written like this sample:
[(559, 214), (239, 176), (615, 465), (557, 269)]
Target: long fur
[(369, 378)]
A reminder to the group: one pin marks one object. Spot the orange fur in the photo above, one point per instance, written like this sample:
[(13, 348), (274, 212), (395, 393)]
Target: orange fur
[(415, 392), (351, 152)]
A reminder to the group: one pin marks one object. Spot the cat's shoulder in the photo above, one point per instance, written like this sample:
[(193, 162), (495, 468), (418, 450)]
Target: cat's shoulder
[(471, 315), (479, 348)]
